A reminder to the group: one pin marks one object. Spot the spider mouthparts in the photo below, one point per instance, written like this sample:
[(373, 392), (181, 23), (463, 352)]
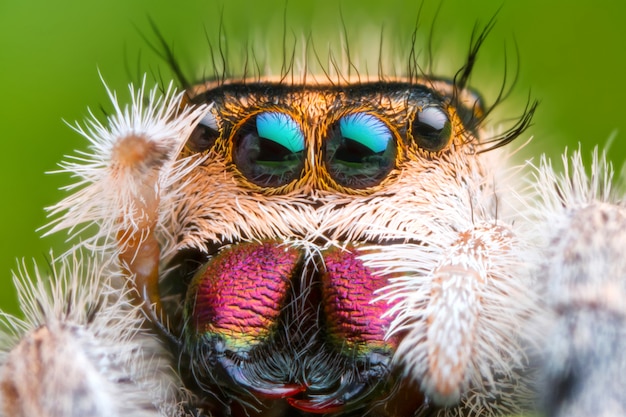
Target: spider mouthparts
[(347, 394), (312, 406), (266, 389), (280, 391)]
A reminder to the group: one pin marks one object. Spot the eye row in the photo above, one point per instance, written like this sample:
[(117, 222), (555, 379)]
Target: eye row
[(269, 148)]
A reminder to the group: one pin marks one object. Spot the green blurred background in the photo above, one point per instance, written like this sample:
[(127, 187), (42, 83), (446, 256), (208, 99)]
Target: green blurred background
[(572, 60)]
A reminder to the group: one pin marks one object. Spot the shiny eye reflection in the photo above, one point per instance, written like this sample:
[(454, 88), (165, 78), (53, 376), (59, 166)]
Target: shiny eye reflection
[(360, 150), (431, 129), (269, 149), (204, 135)]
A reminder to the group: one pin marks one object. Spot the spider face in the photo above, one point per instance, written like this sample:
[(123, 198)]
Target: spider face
[(300, 198), (304, 159), (294, 186)]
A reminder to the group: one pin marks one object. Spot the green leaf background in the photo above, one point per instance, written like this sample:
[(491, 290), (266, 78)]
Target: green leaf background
[(571, 59)]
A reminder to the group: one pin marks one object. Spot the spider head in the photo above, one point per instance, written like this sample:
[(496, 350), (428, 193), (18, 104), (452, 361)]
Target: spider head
[(294, 187)]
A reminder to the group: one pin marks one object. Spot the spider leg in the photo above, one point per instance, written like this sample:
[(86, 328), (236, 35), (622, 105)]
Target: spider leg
[(81, 349), (584, 273)]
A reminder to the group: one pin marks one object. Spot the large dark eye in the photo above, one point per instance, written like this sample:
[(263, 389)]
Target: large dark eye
[(269, 149), (360, 151), (204, 135), (431, 129)]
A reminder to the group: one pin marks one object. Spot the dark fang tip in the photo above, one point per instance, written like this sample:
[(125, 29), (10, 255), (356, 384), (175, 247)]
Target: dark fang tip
[(312, 406), (347, 395), (263, 388)]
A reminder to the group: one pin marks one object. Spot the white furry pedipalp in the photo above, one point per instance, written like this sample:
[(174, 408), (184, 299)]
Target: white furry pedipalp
[(124, 183), (463, 337), (81, 349)]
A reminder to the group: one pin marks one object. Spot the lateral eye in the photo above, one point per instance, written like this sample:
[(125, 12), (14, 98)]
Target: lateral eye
[(268, 149), (205, 134), (360, 150), (431, 129)]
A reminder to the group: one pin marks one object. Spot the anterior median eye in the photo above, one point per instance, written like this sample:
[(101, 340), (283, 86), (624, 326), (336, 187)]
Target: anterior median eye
[(269, 149), (360, 150), (431, 129)]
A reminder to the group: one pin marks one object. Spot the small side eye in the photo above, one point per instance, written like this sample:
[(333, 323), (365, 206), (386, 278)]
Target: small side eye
[(360, 150), (431, 129), (268, 149), (204, 134)]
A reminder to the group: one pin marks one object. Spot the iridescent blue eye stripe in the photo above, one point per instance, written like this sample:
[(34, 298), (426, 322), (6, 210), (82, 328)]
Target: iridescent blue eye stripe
[(282, 129), (367, 130)]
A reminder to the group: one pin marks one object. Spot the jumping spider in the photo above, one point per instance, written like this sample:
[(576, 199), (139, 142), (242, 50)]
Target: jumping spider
[(341, 245)]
